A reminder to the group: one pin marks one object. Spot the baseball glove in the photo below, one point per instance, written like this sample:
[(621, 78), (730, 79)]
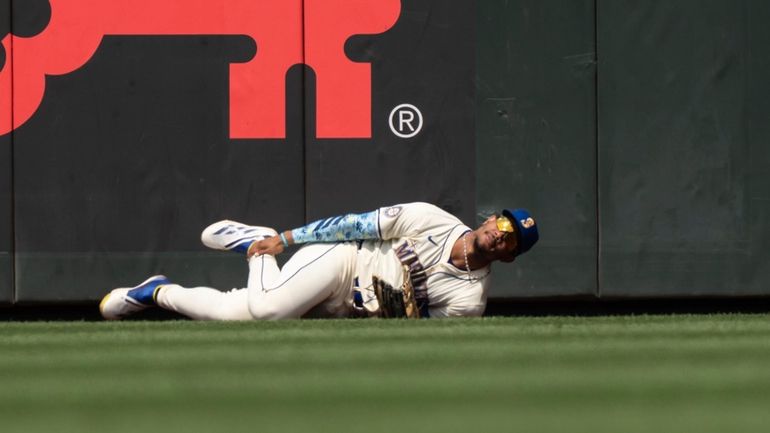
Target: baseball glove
[(396, 303)]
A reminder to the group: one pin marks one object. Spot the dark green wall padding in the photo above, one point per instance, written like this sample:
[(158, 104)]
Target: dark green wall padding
[(536, 138), (683, 147), (6, 261), (655, 149)]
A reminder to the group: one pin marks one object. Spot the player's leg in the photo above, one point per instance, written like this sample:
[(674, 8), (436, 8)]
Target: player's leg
[(204, 303), (263, 270), (317, 275), (200, 303)]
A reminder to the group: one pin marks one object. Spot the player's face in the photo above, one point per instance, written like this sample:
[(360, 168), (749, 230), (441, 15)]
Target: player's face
[(495, 244)]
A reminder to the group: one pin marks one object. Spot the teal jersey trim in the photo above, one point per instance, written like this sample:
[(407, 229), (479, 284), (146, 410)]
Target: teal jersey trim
[(348, 227)]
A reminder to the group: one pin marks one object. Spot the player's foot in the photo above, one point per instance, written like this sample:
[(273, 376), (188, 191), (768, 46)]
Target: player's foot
[(229, 235), (125, 301)]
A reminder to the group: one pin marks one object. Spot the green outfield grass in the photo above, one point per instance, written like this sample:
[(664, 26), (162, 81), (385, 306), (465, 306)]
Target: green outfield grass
[(609, 374)]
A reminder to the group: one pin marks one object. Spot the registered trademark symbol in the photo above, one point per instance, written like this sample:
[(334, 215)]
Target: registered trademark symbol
[(405, 121)]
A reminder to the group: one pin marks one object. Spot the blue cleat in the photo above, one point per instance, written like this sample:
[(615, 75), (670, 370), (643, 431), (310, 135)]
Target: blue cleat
[(125, 301), (229, 235)]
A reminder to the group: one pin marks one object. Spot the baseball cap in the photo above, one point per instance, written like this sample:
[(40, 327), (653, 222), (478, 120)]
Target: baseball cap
[(526, 228)]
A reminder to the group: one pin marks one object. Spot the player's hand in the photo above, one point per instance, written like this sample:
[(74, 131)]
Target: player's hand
[(272, 245)]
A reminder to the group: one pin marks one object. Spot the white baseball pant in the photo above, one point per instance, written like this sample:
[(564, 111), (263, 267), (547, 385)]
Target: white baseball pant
[(317, 281)]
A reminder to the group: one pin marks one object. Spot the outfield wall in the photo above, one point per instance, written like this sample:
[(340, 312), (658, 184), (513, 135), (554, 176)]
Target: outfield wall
[(683, 147), (638, 132), (536, 137), (633, 131)]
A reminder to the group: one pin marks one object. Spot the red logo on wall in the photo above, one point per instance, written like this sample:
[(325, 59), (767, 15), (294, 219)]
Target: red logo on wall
[(257, 87)]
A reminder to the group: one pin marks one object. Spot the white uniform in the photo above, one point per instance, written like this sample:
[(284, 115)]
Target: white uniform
[(429, 233), (320, 279)]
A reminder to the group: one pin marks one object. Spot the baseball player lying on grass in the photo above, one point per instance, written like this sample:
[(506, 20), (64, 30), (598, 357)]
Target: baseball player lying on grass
[(410, 260)]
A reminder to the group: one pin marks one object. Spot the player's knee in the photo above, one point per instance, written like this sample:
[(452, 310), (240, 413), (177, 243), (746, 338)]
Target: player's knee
[(265, 311)]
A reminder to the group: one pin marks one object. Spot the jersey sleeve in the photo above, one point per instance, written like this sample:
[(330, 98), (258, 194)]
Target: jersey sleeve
[(412, 219), (390, 222), (347, 227)]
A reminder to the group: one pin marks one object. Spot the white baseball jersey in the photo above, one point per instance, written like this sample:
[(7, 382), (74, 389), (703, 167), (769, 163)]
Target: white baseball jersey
[(422, 235)]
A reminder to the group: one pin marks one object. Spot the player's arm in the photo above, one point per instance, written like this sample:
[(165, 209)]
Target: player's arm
[(340, 228)]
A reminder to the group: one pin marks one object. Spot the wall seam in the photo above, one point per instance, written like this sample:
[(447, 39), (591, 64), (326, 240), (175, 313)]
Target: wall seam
[(597, 173), (304, 116), (11, 171)]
